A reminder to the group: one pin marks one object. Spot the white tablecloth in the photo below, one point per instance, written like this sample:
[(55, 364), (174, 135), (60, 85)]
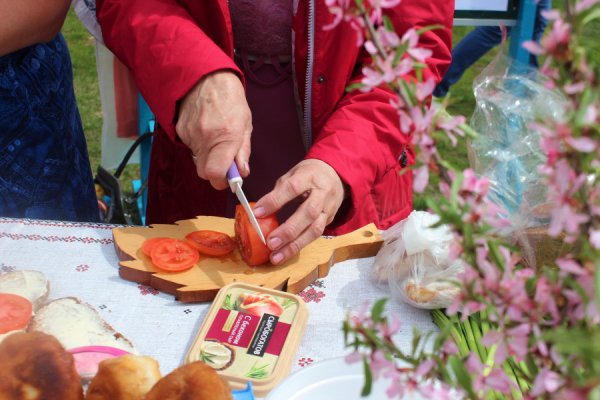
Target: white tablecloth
[(80, 261)]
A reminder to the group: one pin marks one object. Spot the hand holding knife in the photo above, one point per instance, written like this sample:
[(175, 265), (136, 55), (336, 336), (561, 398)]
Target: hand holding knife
[(235, 183)]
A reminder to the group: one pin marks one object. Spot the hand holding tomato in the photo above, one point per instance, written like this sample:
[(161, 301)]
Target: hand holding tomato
[(324, 192), (215, 123)]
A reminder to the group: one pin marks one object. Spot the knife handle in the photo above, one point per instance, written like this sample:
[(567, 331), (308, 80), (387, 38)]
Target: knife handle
[(233, 177)]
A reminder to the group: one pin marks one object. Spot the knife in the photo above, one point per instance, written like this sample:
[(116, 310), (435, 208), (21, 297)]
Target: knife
[(235, 183)]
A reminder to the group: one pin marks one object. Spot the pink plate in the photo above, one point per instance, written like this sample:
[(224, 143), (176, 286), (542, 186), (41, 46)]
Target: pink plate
[(87, 358)]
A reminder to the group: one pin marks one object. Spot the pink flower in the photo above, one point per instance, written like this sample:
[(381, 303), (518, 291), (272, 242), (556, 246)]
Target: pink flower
[(519, 341), (388, 329), (544, 298), (371, 79), (582, 144), (557, 40), (388, 38), (485, 379), (380, 364), (551, 15), (570, 266), (423, 369), (424, 89), (370, 47), (533, 47), (575, 88), (353, 357), (567, 219), (584, 5), (546, 382), (595, 238), (420, 178), (498, 380), (449, 347), (385, 3), (591, 114)]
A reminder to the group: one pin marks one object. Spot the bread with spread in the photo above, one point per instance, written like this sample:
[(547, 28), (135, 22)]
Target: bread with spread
[(33, 285), (76, 324)]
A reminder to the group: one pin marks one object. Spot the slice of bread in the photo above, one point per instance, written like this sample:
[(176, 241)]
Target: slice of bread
[(77, 324), (33, 285)]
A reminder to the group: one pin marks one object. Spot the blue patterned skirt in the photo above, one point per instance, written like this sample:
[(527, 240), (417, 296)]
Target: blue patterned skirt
[(44, 166)]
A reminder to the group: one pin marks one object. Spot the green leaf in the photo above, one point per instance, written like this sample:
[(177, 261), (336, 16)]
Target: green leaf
[(597, 281), (456, 184), (387, 22), (462, 376), (368, 386), (227, 302), (257, 372), (354, 86), (594, 14), (429, 28), (377, 310), (287, 303)]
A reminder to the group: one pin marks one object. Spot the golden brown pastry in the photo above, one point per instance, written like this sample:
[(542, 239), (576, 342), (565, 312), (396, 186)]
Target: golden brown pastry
[(195, 381), (35, 366), (127, 377)]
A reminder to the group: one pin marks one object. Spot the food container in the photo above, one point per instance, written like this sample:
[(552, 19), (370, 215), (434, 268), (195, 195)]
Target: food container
[(87, 359), (251, 335)]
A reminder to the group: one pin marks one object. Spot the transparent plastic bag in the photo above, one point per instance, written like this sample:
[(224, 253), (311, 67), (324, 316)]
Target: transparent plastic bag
[(414, 260), (509, 97)]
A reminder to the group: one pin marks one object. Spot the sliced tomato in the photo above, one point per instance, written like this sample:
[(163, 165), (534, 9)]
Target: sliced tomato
[(252, 249), (15, 312), (211, 243), (149, 244), (174, 255)]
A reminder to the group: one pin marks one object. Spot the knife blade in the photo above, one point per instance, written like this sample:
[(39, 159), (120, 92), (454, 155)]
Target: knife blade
[(235, 183)]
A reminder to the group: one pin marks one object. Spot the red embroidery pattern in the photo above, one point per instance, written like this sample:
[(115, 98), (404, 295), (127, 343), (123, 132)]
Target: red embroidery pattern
[(144, 290), (304, 361), (319, 283), (82, 268), (311, 294), (54, 238), (57, 223)]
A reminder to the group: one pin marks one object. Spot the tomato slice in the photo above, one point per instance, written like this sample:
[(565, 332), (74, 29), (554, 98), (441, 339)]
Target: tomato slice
[(15, 312), (149, 244), (211, 243), (252, 249), (174, 255)]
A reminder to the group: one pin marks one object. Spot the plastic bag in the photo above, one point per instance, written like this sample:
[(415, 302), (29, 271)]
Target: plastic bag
[(509, 97), (414, 260)]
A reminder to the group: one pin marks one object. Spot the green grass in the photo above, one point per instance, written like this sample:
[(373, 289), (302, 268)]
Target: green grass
[(83, 55)]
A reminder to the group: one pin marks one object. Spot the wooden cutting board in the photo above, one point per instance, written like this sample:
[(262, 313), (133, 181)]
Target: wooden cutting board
[(203, 280)]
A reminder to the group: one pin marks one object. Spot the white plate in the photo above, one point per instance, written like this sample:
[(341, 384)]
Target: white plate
[(328, 380)]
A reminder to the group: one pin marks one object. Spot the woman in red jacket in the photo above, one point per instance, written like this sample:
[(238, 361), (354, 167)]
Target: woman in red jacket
[(224, 77)]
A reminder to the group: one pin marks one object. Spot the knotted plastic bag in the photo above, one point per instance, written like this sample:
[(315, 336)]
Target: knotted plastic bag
[(414, 260), (510, 97)]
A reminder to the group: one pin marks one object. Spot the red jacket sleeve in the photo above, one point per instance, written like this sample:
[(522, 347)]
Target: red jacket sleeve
[(164, 47), (361, 139)]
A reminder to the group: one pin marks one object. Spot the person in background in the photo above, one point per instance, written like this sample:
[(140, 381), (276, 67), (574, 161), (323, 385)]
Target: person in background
[(225, 78), (45, 171), (478, 42)]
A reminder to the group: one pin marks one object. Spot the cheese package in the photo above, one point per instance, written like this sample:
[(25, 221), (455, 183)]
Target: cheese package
[(251, 335)]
